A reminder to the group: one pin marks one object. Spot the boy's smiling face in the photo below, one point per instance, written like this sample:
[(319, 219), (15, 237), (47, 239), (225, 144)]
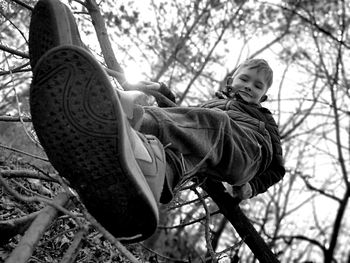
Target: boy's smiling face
[(250, 84)]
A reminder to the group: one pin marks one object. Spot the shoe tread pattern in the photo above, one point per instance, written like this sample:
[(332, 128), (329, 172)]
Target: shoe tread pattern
[(74, 117)]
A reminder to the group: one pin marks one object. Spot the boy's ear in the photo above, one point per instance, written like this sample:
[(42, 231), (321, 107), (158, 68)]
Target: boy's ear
[(263, 98)]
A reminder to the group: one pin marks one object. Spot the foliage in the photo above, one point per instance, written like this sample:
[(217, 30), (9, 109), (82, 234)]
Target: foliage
[(193, 45)]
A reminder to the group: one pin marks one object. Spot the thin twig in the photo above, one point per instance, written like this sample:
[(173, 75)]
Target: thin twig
[(191, 222), (28, 190), (25, 153), (29, 199), (185, 203), (29, 174), (30, 136), (23, 4), (15, 119), (164, 257), (14, 25), (207, 227), (13, 51), (2, 73), (60, 234)]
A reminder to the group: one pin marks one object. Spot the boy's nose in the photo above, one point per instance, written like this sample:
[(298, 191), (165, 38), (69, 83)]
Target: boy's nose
[(247, 88)]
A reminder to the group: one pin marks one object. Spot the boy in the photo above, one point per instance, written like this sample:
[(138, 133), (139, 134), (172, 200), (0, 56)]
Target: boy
[(121, 168)]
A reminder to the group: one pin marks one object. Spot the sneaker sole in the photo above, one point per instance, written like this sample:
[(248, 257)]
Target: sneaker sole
[(52, 24), (79, 121)]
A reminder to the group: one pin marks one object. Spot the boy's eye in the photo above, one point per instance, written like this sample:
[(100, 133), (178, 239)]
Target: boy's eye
[(229, 81), (259, 85), (243, 79)]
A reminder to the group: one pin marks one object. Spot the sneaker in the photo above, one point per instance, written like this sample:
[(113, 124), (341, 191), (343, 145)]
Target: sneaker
[(52, 24), (79, 120)]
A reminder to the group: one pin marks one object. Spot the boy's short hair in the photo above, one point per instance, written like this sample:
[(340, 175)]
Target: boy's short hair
[(260, 65)]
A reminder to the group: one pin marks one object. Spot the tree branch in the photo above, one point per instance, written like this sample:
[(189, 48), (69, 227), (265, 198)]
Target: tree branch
[(320, 191), (12, 227), (319, 28), (230, 209), (23, 4), (207, 227), (103, 39), (73, 250), (13, 51), (29, 174), (25, 248), (19, 69), (189, 223), (25, 153)]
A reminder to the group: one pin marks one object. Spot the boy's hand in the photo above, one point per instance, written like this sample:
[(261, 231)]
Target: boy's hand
[(242, 192), (150, 85)]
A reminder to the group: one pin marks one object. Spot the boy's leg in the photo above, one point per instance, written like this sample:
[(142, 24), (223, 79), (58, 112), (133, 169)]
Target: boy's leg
[(206, 141), (79, 121)]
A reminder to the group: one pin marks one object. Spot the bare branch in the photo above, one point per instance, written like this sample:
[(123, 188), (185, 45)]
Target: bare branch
[(317, 27), (208, 56), (23, 4), (10, 228), (103, 39), (321, 191), (164, 257), (73, 250), (13, 51), (24, 153), (189, 223), (304, 238), (36, 198), (29, 174), (19, 69), (207, 227), (230, 209), (186, 203), (25, 248)]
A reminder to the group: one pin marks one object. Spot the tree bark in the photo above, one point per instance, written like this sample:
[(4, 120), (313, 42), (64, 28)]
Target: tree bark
[(229, 207), (102, 36)]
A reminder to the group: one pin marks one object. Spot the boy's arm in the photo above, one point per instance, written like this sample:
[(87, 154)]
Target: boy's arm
[(275, 171), (149, 86), (273, 174)]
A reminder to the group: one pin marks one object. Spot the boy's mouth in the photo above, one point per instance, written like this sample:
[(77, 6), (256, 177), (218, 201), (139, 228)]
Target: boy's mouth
[(246, 94)]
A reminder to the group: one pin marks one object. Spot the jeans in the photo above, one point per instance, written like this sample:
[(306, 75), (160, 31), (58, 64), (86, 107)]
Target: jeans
[(210, 142)]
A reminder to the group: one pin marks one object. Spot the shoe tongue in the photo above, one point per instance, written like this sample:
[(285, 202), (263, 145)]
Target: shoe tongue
[(140, 150)]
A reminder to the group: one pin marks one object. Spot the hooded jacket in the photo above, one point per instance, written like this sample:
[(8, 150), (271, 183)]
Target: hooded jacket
[(259, 118)]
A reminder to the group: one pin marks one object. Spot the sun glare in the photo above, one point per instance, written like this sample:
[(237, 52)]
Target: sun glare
[(133, 73)]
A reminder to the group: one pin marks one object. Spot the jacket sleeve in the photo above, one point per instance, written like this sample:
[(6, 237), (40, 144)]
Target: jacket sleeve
[(275, 171), (272, 175)]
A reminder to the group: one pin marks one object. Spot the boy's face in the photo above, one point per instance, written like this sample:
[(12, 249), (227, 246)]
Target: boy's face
[(250, 84)]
